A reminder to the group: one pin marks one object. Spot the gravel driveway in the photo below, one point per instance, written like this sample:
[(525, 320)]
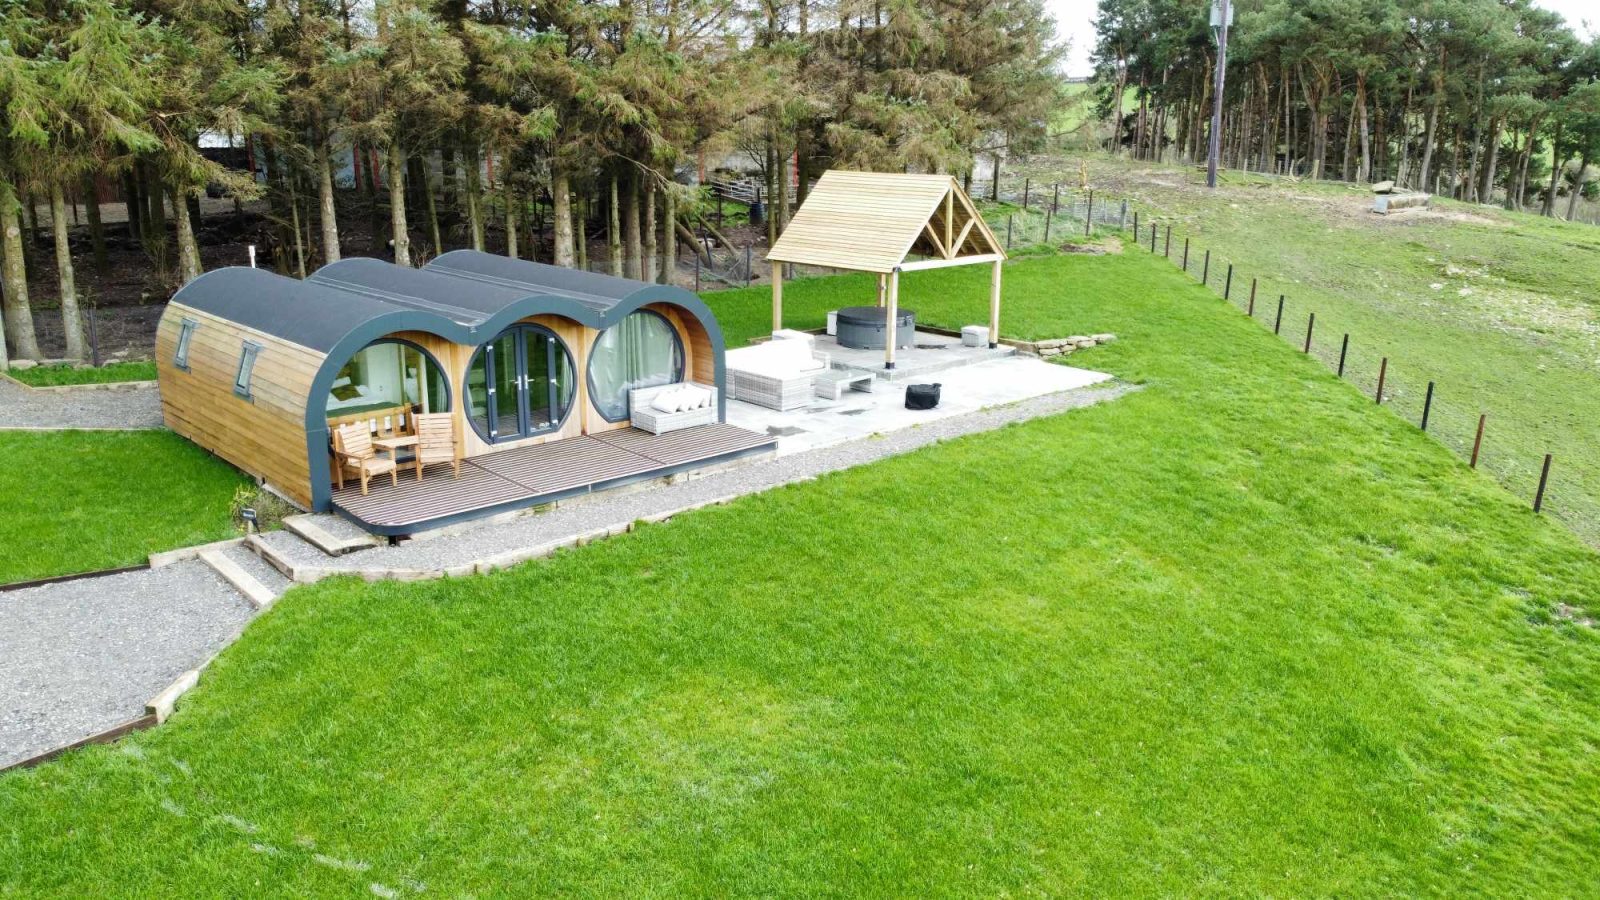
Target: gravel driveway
[(79, 657), (124, 408)]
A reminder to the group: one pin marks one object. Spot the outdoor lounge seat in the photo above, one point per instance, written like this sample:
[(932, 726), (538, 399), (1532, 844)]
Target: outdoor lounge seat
[(436, 441), (647, 416), (779, 374), (353, 450)]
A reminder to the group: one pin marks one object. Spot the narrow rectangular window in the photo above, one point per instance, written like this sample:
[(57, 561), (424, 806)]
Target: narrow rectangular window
[(185, 332), (247, 361)]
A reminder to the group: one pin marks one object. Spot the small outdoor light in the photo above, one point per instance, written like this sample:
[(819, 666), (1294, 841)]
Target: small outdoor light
[(248, 514)]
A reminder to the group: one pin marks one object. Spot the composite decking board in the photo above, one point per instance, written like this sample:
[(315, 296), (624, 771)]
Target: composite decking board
[(435, 496), (563, 465), (528, 475), (678, 447)]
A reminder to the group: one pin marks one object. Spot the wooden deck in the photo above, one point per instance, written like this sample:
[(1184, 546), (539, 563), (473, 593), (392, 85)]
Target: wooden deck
[(530, 476)]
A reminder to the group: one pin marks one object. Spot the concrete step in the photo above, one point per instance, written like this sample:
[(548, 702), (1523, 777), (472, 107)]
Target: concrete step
[(298, 560), (263, 571), (331, 534), (243, 580)]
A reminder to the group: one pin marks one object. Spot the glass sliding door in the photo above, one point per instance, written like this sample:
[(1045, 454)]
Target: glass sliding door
[(520, 384)]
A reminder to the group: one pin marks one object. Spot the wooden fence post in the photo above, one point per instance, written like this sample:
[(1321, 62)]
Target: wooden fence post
[(1277, 324), (1205, 273), (1251, 309), (1344, 347), (1383, 371), (1227, 286), (1477, 442), (1544, 478), (1310, 324), (1185, 255), (1169, 241), (1427, 406)]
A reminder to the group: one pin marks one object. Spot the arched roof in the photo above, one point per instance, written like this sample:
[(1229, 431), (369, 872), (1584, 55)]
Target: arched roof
[(464, 296)]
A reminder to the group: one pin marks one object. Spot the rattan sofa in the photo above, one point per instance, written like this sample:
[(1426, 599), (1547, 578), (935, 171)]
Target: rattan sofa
[(647, 417), (779, 374)]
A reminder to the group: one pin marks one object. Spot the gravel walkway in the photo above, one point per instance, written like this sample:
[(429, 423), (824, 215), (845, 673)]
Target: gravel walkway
[(128, 408), (422, 558), (79, 657)]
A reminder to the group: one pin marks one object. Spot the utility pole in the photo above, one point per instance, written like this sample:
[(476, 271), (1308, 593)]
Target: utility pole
[(1221, 18)]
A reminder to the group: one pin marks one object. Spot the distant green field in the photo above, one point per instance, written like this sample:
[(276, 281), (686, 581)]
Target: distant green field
[(1238, 633), (1498, 309)]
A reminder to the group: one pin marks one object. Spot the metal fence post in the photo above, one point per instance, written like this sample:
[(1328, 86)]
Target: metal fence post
[(1427, 406), (1311, 323), (1544, 477)]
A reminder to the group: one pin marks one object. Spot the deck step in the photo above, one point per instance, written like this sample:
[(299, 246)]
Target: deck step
[(245, 582), (332, 535)]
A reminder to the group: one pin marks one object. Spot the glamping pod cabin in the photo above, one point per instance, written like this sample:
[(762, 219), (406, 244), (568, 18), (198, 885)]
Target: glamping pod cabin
[(536, 369)]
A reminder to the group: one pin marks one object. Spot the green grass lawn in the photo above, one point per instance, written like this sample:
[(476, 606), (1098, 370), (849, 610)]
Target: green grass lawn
[(1499, 309), (56, 376), (76, 501), (1236, 633)]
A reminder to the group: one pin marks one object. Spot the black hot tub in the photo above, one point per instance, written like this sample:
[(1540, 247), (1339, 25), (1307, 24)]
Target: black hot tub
[(863, 327)]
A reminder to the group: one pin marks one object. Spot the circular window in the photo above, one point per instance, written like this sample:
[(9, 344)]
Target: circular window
[(385, 379), (520, 384), (643, 350)]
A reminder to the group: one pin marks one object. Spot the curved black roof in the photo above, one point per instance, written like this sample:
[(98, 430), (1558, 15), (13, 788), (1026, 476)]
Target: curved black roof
[(464, 296)]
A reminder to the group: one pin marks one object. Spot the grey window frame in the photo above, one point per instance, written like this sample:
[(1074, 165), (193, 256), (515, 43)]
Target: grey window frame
[(180, 355), (246, 370), (588, 370)]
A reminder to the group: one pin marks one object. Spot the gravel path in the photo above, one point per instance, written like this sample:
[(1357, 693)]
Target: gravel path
[(127, 408), (82, 656), (618, 509)]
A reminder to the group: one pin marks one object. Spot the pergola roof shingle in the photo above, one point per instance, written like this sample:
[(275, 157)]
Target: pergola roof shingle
[(872, 221)]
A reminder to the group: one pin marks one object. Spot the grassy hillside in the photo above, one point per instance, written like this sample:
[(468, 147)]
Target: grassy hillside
[(1239, 632), (1498, 308)]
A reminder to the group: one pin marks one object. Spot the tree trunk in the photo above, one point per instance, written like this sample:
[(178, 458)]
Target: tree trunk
[(14, 277), (511, 217), (562, 212), (130, 200), (1522, 167), (633, 252), (582, 212), (1364, 172), (469, 157), (1433, 126), (669, 235), (647, 271), (614, 228), (330, 222), (1549, 206), (1577, 186), (433, 212), (71, 323), (188, 250), (1486, 187), (97, 230), (156, 217), (397, 204)]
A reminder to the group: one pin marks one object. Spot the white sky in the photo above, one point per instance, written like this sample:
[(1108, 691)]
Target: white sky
[(1075, 21)]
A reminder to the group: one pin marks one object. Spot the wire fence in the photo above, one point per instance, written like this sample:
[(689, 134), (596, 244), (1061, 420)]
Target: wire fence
[(1400, 385)]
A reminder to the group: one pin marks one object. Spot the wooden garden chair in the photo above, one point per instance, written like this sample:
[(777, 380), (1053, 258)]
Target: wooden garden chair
[(352, 447), (436, 441)]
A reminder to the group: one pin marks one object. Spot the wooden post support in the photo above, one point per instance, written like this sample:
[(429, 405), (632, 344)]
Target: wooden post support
[(1544, 478), (1277, 324), (1344, 348), (1383, 372), (892, 332), (1311, 323), (883, 289), (777, 295), (1427, 406), (994, 306), (1477, 442), (1251, 309)]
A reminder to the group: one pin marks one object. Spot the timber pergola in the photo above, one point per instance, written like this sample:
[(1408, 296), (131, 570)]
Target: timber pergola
[(887, 223)]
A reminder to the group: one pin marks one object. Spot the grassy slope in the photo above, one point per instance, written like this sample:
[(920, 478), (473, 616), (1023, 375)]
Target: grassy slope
[(1523, 343), (1238, 632), (74, 501), (53, 376)]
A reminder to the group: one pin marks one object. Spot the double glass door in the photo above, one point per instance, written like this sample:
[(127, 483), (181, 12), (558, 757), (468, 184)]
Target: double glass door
[(520, 384)]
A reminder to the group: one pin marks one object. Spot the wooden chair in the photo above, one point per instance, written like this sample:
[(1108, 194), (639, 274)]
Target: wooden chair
[(352, 448), (436, 441)]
